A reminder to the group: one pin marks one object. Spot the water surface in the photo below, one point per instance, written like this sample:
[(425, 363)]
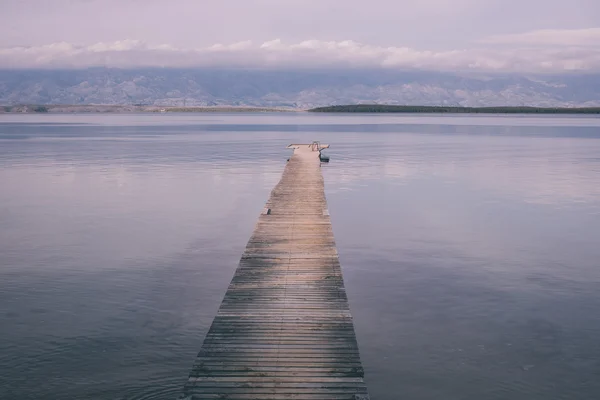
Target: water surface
[(469, 246)]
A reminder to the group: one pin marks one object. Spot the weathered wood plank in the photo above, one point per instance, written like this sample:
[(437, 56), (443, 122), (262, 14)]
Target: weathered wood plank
[(284, 329)]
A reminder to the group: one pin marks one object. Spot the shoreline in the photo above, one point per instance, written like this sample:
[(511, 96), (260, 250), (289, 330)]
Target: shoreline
[(394, 109), (117, 109), (341, 109)]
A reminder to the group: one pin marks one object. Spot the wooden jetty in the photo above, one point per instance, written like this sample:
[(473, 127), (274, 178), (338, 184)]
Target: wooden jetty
[(284, 329)]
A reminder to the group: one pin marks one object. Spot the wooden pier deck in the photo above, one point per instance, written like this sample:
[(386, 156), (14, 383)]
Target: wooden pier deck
[(284, 329)]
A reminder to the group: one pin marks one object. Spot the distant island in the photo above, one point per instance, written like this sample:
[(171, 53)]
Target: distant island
[(382, 108)]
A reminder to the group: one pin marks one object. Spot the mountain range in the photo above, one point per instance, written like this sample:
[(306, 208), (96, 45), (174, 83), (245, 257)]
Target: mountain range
[(300, 89)]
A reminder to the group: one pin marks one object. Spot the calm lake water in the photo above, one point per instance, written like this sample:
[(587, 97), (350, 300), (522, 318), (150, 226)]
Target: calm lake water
[(470, 247)]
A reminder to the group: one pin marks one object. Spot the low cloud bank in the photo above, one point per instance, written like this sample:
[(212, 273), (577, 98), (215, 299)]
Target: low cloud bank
[(538, 51)]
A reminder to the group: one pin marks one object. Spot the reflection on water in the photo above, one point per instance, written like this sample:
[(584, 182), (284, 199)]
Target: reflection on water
[(468, 244)]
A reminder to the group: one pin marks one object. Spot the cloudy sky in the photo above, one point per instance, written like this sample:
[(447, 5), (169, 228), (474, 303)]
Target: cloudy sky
[(488, 35)]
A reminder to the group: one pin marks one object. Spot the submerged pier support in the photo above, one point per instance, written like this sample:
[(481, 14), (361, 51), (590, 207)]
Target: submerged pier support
[(284, 329)]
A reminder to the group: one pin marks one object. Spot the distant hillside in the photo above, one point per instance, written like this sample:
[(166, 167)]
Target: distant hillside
[(300, 89), (382, 108)]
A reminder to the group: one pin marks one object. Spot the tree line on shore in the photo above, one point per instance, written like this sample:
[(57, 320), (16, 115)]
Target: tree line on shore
[(384, 108)]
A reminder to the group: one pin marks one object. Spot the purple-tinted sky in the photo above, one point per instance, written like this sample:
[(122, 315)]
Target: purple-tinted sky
[(528, 35)]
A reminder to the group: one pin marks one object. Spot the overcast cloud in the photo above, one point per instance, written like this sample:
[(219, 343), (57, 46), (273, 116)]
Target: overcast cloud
[(486, 35)]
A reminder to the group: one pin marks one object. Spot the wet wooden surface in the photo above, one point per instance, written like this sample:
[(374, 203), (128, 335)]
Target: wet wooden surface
[(284, 329)]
